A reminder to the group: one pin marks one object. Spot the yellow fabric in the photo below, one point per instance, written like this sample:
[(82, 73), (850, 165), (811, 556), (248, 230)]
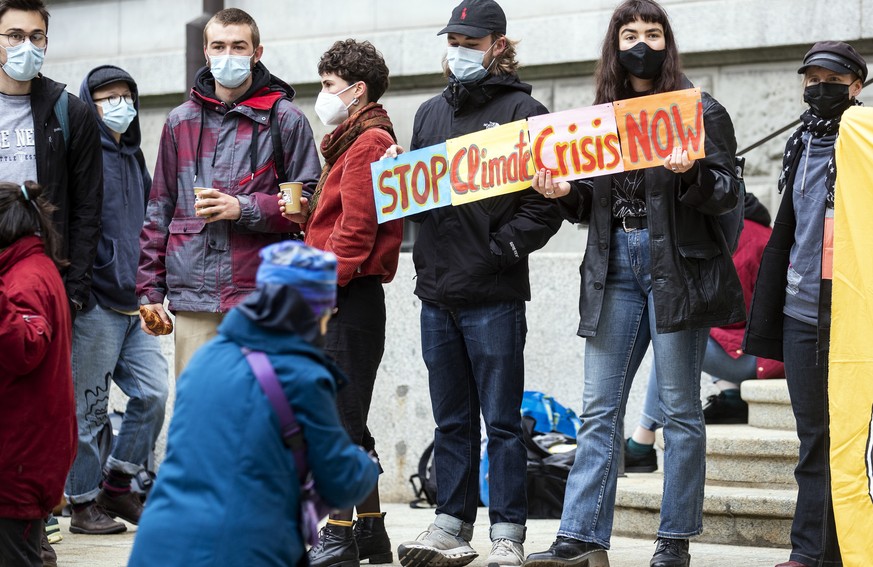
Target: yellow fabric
[(850, 384), (344, 523)]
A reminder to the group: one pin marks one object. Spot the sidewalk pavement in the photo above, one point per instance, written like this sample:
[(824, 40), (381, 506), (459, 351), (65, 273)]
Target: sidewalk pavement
[(405, 523)]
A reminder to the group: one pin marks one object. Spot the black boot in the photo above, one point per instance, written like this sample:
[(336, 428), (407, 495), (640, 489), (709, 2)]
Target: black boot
[(336, 548), (372, 540)]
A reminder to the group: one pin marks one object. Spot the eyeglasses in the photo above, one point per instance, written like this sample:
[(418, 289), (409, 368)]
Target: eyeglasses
[(38, 39), (115, 100)]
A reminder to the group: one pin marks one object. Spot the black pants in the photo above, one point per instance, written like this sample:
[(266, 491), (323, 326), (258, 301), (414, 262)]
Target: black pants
[(813, 532), (356, 340), (19, 542)]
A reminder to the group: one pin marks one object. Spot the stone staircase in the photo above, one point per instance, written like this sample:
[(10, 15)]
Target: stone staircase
[(750, 488)]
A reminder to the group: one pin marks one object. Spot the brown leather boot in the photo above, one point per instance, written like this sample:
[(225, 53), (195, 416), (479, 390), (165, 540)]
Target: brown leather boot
[(94, 521), (126, 506)]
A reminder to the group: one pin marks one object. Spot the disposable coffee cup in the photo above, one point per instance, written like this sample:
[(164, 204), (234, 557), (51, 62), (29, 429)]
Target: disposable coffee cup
[(292, 191), (197, 191)]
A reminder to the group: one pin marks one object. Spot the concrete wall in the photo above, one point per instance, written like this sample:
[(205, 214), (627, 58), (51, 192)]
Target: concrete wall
[(745, 52)]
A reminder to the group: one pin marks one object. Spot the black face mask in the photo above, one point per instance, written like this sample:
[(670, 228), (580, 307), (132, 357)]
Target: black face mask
[(827, 100), (642, 61)]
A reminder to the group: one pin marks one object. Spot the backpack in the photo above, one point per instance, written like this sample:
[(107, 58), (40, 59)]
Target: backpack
[(426, 490)]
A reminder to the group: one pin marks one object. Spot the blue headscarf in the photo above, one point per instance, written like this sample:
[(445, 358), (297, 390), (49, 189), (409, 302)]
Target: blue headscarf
[(308, 270)]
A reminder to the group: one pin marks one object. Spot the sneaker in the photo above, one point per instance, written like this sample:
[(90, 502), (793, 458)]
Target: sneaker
[(436, 548), (505, 553), (722, 409), (53, 530), (671, 553), (634, 462), (569, 552)]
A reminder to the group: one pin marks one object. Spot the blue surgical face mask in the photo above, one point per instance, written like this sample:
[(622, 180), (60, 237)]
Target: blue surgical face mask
[(118, 117), (466, 64), (230, 71), (23, 61)]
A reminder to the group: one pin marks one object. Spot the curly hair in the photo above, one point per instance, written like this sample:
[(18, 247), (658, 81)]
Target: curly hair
[(24, 211), (354, 61)]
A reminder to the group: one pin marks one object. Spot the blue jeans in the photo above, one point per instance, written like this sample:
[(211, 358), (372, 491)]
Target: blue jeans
[(108, 345), (612, 357), (716, 362), (813, 532), (475, 361)]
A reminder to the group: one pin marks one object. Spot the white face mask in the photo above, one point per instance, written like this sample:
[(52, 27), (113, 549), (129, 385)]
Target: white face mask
[(230, 71), (118, 118), (466, 64), (330, 108), (23, 61)]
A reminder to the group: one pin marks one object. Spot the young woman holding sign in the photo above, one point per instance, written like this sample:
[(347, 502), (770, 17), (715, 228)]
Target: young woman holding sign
[(657, 269), (790, 314)]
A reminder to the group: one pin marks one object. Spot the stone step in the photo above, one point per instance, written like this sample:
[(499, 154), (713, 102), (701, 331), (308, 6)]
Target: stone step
[(736, 516), (751, 456), (769, 404)]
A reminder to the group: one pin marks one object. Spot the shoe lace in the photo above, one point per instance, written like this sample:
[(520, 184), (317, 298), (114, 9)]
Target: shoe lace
[(670, 545), (506, 548)]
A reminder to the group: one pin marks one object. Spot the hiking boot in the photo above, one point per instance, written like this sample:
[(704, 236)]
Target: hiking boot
[(53, 530), (671, 553), (336, 547), (569, 552), (505, 553), (372, 540), (94, 521), (720, 408), (436, 548), (126, 505), (635, 462)]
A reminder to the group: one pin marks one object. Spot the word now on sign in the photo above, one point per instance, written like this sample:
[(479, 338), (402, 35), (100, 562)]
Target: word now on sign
[(573, 144)]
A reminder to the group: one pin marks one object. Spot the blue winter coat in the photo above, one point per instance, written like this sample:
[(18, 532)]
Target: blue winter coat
[(227, 492)]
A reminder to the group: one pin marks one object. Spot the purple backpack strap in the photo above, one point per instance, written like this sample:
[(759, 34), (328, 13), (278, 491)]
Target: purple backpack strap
[(291, 431)]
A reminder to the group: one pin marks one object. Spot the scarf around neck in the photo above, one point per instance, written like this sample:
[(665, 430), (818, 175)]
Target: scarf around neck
[(818, 128), (341, 139)]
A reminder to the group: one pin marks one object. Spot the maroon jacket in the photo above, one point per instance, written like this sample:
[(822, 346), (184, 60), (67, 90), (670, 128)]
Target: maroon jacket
[(37, 412)]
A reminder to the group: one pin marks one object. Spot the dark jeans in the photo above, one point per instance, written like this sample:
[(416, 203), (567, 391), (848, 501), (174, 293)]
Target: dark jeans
[(475, 362), (19, 542), (356, 340), (813, 533)]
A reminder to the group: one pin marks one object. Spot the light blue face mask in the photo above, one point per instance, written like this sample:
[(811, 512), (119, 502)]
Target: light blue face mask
[(23, 61), (230, 71), (466, 64), (118, 118)]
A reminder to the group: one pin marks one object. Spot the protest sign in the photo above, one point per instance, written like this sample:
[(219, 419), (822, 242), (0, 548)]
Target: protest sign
[(575, 144), (489, 162), (411, 183), (651, 126)]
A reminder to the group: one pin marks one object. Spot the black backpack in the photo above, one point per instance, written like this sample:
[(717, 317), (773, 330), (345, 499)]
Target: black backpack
[(425, 490)]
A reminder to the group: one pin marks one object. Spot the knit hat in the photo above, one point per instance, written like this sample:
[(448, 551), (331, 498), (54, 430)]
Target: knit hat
[(308, 270), (476, 18), (835, 56), (106, 74)]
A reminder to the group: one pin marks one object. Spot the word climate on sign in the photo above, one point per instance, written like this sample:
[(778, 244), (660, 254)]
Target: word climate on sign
[(575, 144), (651, 126), (490, 162)]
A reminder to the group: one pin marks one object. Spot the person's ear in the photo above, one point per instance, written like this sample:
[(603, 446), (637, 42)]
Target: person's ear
[(499, 47), (855, 88), (259, 52)]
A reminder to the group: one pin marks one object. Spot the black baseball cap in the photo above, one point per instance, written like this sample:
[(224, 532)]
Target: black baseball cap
[(476, 18), (835, 56)]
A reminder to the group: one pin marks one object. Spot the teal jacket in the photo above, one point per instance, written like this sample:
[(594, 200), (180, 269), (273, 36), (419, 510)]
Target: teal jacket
[(227, 492)]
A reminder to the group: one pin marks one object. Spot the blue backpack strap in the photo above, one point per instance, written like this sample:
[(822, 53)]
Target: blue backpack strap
[(62, 112)]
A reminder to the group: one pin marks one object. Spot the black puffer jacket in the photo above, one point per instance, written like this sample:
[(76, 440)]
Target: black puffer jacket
[(694, 282), (74, 180), (478, 252)]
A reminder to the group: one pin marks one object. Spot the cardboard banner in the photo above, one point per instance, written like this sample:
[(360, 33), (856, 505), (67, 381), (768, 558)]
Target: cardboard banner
[(491, 162), (850, 387), (411, 183), (651, 126), (575, 144)]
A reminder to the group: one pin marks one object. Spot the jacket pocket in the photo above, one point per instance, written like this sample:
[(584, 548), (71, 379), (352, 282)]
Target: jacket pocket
[(267, 167), (186, 255), (701, 273)]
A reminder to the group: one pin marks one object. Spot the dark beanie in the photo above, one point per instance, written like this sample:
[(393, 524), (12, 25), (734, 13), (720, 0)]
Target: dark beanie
[(106, 74)]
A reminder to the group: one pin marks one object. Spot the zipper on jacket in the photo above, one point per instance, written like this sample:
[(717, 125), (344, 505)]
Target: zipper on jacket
[(805, 167)]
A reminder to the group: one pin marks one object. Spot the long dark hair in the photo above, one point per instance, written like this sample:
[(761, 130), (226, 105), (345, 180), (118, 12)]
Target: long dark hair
[(27, 212), (611, 79)]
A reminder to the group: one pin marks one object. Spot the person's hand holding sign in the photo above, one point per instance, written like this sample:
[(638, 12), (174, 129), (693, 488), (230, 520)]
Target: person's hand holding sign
[(678, 161), (543, 184), (393, 151)]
